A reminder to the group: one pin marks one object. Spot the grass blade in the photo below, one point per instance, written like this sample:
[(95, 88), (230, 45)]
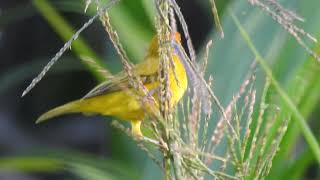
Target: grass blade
[(66, 31), (311, 140)]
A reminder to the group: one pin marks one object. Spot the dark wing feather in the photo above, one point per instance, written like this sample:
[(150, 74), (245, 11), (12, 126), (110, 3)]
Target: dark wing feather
[(147, 70), (117, 84)]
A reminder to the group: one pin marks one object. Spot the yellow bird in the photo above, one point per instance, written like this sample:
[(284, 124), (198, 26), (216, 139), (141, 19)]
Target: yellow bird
[(109, 99)]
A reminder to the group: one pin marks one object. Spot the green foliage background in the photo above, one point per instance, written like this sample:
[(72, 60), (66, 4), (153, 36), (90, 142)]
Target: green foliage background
[(229, 61)]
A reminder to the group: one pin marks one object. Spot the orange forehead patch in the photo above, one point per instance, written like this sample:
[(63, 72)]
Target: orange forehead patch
[(177, 36)]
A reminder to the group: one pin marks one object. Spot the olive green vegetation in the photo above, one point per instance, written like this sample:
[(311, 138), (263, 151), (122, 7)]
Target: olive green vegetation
[(295, 71)]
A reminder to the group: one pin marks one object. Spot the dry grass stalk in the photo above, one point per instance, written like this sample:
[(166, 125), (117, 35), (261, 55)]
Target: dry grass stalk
[(103, 71), (188, 147), (141, 92), (184, 25), (216, 18), (66, 46), (286, 19)]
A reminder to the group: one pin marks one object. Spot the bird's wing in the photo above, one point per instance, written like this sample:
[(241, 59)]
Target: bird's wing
[(147, 71)]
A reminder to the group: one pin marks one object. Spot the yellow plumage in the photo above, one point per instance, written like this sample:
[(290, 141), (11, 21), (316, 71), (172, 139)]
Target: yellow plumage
[(110, 99)]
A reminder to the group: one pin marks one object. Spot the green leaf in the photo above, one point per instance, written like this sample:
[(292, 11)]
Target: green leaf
[(82, 165), (62, 28), (285, 97), (30, 164), (230, 58), (123, 17)]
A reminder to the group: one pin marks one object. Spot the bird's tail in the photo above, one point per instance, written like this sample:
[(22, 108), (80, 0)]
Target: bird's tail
[(71, 107)]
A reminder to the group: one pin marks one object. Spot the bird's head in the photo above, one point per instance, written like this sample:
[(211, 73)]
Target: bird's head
[(153, 48)]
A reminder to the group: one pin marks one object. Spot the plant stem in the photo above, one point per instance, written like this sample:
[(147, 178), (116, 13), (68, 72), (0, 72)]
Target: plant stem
[(66, 31), (311, 140)]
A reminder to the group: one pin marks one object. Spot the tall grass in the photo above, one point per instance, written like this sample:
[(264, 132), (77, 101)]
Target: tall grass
[(239, 137)]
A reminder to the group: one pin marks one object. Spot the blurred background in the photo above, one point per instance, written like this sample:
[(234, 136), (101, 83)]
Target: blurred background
[(75, 146)]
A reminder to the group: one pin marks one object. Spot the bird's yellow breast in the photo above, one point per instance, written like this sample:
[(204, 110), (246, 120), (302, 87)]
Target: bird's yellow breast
[(178, 81), (125, 105), (111, 100)]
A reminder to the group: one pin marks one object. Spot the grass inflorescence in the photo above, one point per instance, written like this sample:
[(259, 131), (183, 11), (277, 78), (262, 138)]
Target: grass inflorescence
[(200, 138)]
